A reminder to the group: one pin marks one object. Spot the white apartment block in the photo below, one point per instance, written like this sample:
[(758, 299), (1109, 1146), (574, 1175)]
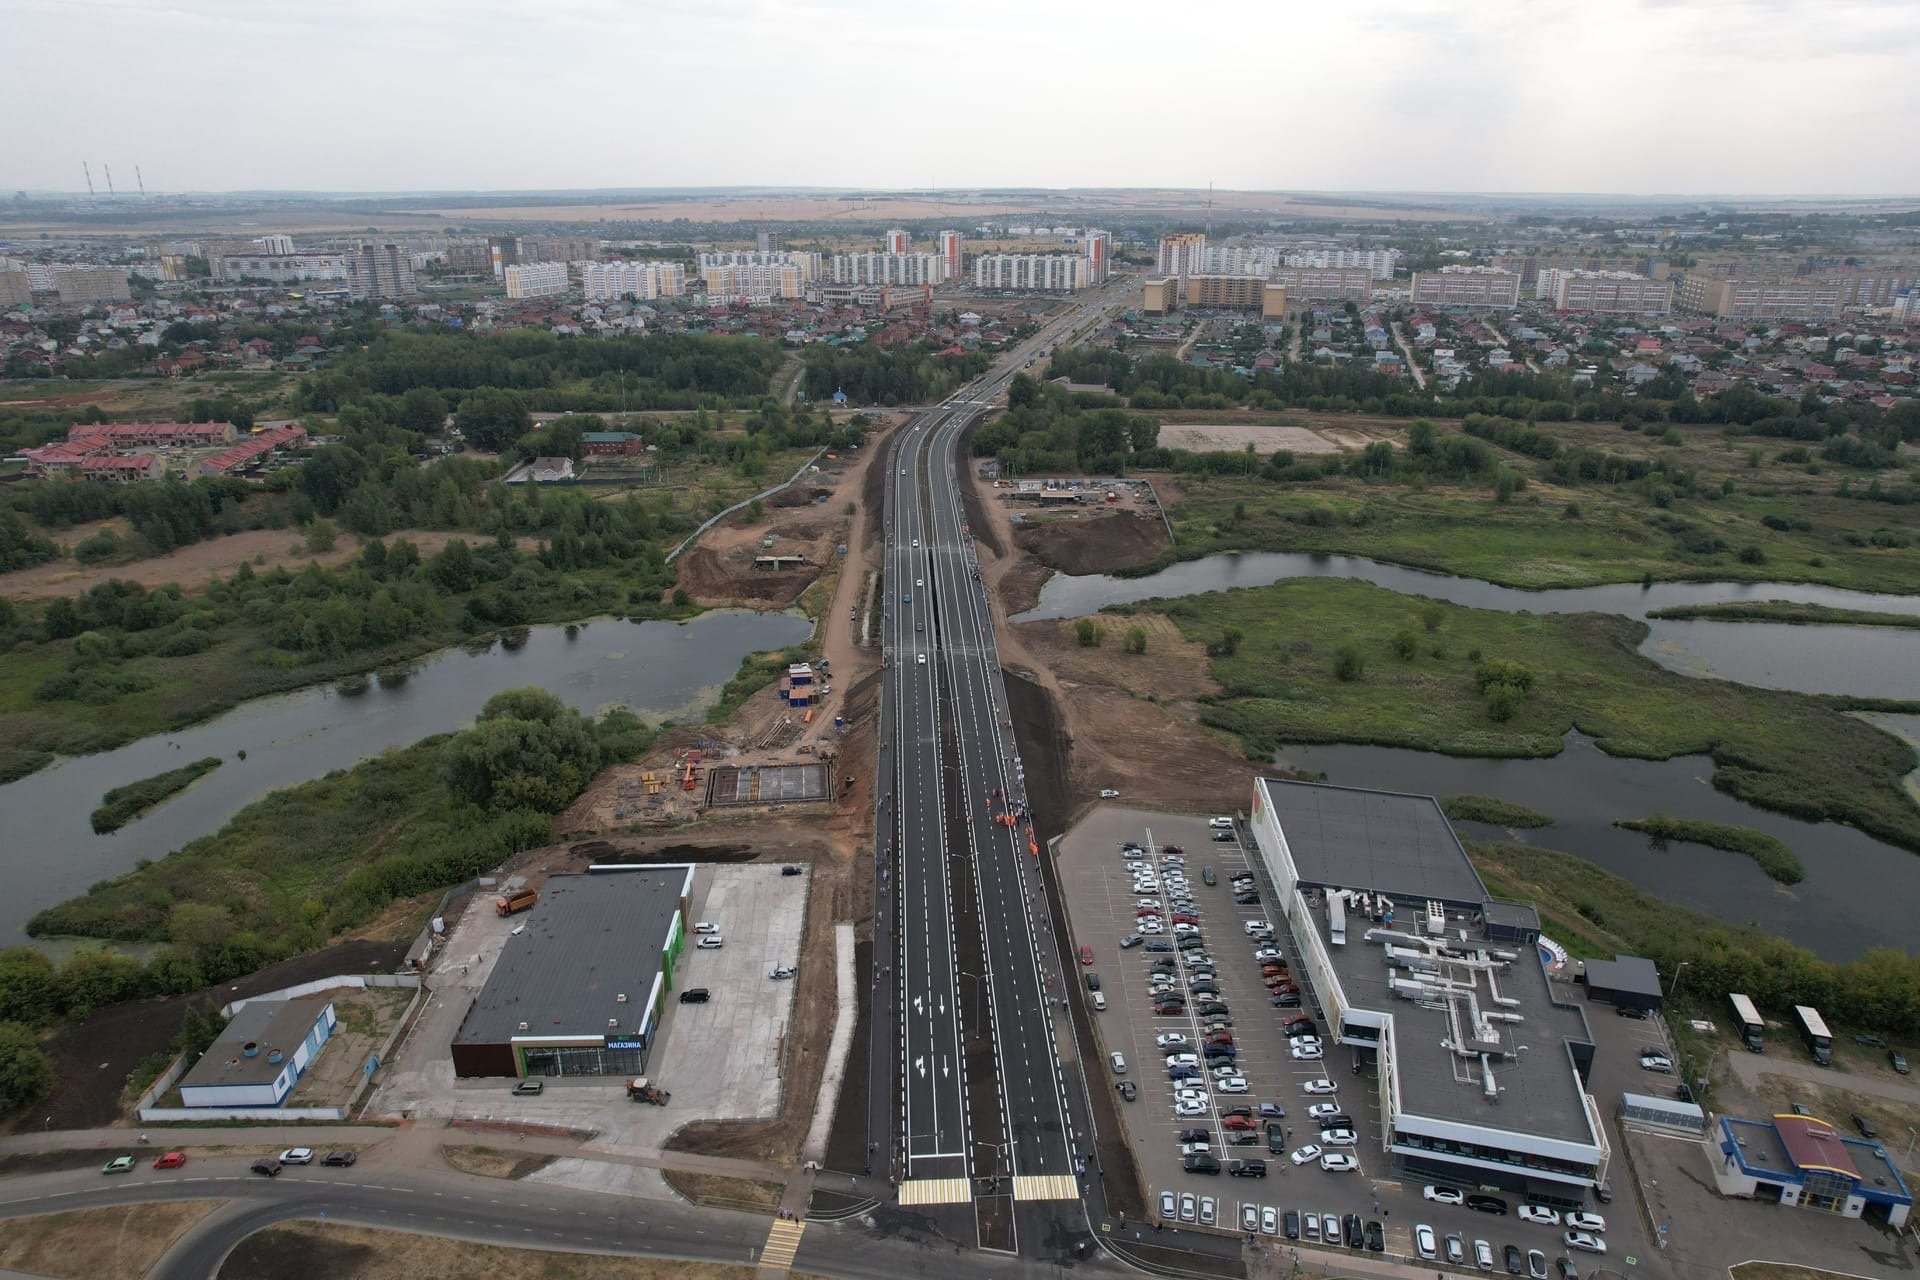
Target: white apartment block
[(1379, 263), (1039, 272), (899, 241), (275, 244), (280, 268), (886, 268), (1099, 250), (1184, 255), (754, 283), (536, 279), (608, 281), (809, 263), (950, 252), (1603, 292), (1465, 287)]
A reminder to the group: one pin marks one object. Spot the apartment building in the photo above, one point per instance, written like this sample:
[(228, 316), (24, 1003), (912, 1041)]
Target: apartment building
[(1604, 292), (91, 284), (280, 268), (1322, 284), (1235, 293), (1099, 247), (1378, 263), (899, 241), (536, 279), (1038, 272), (1466, 287), (886, 268), (1182, 255), (811, 264), (607, 281), (950, 253), (1737, 298), (15, 289), (380, 271), (1160, 296), (558, 249), (750, 282), (469, 257), (276, 245)]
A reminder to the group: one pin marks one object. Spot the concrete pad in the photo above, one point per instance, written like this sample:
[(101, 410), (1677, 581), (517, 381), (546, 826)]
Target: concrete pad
[(605, 1177)]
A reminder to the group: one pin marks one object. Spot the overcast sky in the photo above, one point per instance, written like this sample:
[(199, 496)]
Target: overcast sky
[(1628, 96)]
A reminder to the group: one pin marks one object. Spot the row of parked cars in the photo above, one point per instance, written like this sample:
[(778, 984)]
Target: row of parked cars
[(1581, 1232), (268, 1166)]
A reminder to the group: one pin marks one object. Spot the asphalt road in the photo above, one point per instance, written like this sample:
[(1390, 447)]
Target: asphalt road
[(969, 913), (518, 1214)]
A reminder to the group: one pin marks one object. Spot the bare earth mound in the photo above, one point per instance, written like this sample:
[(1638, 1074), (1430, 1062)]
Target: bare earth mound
[(1220, 438), (1095, 544)]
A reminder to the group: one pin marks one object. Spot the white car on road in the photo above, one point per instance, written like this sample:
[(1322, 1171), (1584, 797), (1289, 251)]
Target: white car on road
[(1339, 1162), (1307, 1053), (1538, 1213), (1585, 1240), (1306, 1155), (1586, 1222)]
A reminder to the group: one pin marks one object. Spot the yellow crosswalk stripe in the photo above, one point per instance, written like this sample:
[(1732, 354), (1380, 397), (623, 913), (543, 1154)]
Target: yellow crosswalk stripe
[(783, 1241), (936, 1191), (1046, 1186)]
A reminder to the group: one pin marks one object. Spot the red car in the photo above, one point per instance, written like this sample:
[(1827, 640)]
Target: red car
[(1185, 917), (1238, 1122), (1086, 955), (171, 1160)]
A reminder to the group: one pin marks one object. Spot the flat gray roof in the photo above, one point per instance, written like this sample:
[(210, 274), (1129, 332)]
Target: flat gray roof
[(1538, 1091), (1347, 838), (589, 940), (268, 1025), (1634, 974)]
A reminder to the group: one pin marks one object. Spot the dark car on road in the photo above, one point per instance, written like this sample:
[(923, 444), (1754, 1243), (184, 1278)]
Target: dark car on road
[(339, 1159), (1865, 1126), (1487, 1204), (1897, 1061), (530, 1088), (1247, 1169), (1276, 1139), (267, 1165)]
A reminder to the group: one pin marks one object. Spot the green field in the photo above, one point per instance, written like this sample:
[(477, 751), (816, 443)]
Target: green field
[(1465, 667)]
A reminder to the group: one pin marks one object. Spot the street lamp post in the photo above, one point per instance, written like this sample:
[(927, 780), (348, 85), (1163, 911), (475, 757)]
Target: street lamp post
[(1673, 988)]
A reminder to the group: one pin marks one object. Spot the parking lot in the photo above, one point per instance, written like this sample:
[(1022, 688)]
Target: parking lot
[(1102, 909), (719, 1060)]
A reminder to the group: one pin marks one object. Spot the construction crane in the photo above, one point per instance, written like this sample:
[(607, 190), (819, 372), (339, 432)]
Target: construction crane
[(88, 170), (108, 170), (142, 181)]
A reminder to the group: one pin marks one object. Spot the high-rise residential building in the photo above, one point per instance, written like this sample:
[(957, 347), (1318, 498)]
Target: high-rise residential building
[(1752, 298), (1235, 293), (1160, 296), (469, 257), (950, 252), (770, 240), (379, 271), (607, 281), (1183, 254), (91, 284), (280, 268), (809, 263), (558, 249), (502, 252), (1465, 286), (1321, 284), (1377, 262), (1099, 246), (536, 279), (899, 241), (275, 244), (1603, 292), (754, 282), (886, 268), (15, 289), (1038, 272)]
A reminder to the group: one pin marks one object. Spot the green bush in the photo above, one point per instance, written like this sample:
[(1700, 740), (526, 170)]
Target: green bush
[(1406, 644), (1349, 664), (1087, 632), (26, 1076), (100, 546)]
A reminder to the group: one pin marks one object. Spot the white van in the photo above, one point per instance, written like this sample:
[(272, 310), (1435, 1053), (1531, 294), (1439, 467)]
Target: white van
[(1220, 824), (1099, 1002), (1119, 1062)]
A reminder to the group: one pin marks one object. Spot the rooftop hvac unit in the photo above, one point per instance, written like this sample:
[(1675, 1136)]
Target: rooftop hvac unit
[(612, 1023), (1436, 918), (621, 998), (523, 1026)]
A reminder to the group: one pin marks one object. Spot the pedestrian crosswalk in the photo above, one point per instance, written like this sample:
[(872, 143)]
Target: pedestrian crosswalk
[(1046, 1186), (936, 1191), (783, 1241)]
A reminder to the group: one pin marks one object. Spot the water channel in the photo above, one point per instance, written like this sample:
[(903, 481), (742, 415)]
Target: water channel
[(1869, 661), (1858, 894), (1858, 891), (659, 669)]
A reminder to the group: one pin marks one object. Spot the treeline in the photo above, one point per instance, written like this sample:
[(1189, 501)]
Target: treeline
[(1047, 428), (898, 375), (1163, 382), (640, 372)]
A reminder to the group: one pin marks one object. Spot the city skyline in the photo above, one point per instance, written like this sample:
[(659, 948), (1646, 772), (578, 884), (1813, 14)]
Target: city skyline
[(1709, 97)]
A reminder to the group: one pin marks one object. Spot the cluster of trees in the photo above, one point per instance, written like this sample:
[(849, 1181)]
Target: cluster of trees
[(1047, 428), (898, 375), (654, 371)]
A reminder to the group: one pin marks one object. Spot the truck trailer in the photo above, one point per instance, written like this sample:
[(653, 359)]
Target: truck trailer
[(1752, 1030), (517, 901), (1813, 1028)]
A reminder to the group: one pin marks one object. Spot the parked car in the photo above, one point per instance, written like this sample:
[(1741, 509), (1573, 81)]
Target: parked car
[(1897, 1061), (119, 1164), (1276, 1139), (1247, 1168), (1324, 1086), (1456, 1249), (1169, 1209), (1339, 1162), (1424, 1242), (1538, 1213), (530, 1088), (267, 1166), (1488, 1204), (1536, 1265), (1586, 1222), (1585, 1241), (1128, 1090), (1086, 955), (1201, 1164), (1516, 1262), (297, 1155), (1306, 1155), (1189, 1207), (1443, 1195), (1376, 1237), (339, 1159), (1865, 1126)]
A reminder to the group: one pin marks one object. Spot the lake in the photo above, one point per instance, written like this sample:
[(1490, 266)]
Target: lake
[(1859, 892), (659, 669), (1868, 661)]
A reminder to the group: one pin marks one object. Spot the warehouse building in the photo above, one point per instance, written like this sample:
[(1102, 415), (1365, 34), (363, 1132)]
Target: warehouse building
[(1479, 1065), (261, 1054), (580, 986), (1625, 982)]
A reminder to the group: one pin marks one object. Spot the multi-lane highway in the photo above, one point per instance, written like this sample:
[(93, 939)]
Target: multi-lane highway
[(985, 1118)]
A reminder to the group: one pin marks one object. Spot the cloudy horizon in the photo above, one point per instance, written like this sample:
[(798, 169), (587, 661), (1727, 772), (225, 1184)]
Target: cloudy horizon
[(1648, 97)]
